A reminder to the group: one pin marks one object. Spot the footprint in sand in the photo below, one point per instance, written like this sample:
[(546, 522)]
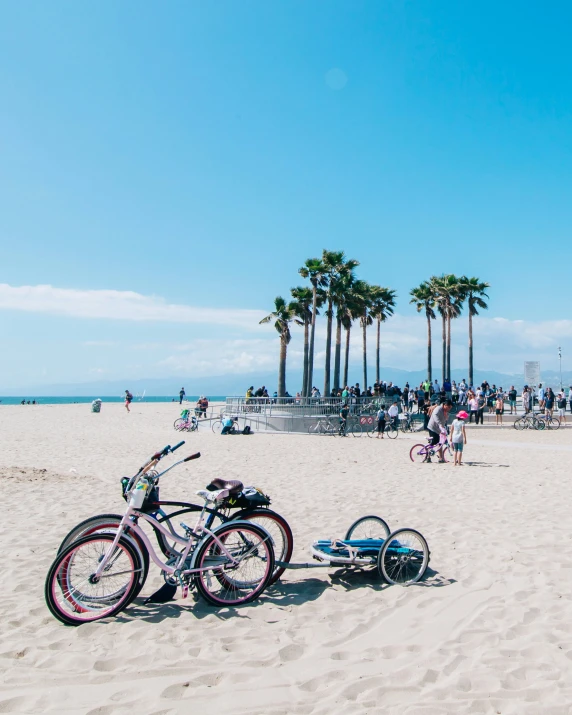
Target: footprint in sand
[(291, 652)]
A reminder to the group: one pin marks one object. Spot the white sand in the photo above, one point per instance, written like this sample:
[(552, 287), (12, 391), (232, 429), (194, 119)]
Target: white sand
[(489, 631)]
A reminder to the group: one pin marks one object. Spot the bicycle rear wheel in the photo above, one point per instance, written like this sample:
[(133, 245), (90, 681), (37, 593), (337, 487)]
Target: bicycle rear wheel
[(553, 423), (520, 423), (73, 594), (217, 426), (418, 453), (279, 530), (238, 571), (179, 424)]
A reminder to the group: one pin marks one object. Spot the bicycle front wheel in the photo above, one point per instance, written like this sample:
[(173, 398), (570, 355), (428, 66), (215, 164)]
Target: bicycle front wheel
[(236, 566), (179, 424), (553, 423), (356, 430), (75, 595), (418, 453), (520, 423), (391, 431), (217, 426), (108, 523)]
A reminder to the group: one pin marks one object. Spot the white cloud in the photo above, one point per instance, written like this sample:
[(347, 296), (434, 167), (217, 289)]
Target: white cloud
[(118, 305), (222, 357)]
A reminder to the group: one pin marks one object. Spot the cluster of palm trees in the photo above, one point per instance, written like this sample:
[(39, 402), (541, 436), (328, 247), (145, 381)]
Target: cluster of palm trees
[(346, 300), (447, 295)]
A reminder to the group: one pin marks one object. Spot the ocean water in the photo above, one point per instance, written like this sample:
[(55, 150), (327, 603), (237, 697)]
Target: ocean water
[(191, 399)]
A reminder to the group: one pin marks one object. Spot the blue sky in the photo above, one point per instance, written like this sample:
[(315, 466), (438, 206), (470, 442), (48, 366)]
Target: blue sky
[(199, 152)]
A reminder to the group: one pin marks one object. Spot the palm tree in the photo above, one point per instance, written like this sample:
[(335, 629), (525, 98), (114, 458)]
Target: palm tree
[(342, 296), (449, 303), (383, 303), (424, 299), (351, 312), (473, 290), (336, 268), (303, 308), (363, 296), (312, 269), (283, 315)]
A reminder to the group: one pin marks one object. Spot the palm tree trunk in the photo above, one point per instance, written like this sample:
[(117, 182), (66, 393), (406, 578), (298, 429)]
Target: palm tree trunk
[(282, 369), (347, 356), (306, 350), (448, 347), (364, 346), (328, 350), (470, 347), (310, 375), (429, 375), (377, 350), (337, 354), (444, 361)]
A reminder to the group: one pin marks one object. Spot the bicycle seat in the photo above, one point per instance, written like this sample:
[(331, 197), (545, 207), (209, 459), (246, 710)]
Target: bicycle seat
[(233, 485)]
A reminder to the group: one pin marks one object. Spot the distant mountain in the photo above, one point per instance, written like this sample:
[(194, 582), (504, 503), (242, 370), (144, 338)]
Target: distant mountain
[(238, 384)]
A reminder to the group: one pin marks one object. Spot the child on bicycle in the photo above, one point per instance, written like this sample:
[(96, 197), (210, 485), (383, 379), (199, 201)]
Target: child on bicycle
[(458, 436)]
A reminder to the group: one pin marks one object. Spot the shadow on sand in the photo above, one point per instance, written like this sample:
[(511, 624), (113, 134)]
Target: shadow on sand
[(282, 594)]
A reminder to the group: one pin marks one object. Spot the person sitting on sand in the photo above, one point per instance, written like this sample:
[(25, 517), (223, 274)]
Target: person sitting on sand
[(203, 406), (458, 436)]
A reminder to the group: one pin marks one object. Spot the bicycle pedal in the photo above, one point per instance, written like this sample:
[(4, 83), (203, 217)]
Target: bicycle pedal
[(185, 591)]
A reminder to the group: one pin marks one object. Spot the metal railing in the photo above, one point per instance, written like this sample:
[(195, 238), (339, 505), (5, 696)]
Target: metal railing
[(304, 406)]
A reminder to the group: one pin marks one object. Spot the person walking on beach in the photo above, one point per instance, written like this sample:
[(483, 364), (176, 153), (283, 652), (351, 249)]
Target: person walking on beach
[(561, 403), (526, 399), (128, 400), (437, 425), (393, 414), (182, 394), (473, 407), (549, 402), (458, 436), (380, 422), (541, 395), (499, 407), (512, 399), (344, 412), (481, 400)]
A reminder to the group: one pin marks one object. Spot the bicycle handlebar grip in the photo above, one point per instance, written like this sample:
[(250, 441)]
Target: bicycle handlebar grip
[(177, 446), (162, 452), (193, 456)]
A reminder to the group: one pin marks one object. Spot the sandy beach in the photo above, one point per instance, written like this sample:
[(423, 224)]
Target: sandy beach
[(488, 631)]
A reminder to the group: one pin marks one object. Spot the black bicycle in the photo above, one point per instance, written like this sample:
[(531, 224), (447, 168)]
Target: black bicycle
[(244, 503)]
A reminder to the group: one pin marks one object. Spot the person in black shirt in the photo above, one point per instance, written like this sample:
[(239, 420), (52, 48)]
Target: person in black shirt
[(512, 399)]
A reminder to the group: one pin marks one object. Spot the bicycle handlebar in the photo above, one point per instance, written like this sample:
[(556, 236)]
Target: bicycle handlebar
[(192, 456), (177, 446)]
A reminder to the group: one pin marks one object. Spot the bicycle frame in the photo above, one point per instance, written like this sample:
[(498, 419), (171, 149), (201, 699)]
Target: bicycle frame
[(126, 523), (194, 538)]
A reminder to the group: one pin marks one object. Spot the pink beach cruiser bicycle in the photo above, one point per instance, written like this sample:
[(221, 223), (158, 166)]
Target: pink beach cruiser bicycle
[(98, 575)]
